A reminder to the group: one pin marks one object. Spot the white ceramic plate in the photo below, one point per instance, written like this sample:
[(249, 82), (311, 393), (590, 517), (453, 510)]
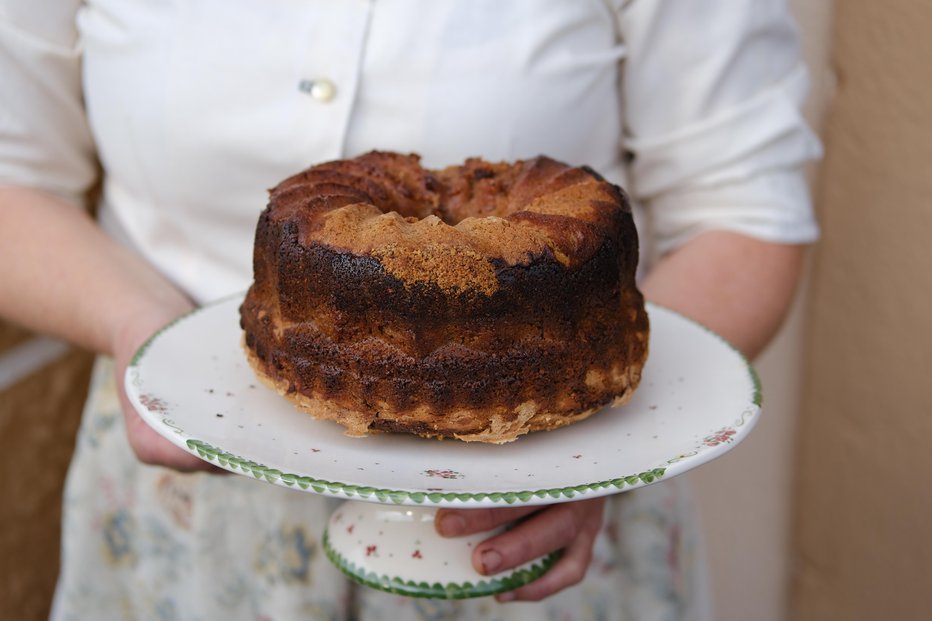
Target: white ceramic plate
[(698, 398)]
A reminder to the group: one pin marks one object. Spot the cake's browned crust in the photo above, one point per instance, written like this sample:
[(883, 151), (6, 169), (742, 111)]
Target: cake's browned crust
[(498, 424), (480, 302)]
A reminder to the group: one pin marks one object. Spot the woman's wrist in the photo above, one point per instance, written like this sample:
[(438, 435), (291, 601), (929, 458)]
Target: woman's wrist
[(138, 323)]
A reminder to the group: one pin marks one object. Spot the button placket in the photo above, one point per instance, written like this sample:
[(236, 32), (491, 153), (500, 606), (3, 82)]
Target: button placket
[(330, 75)]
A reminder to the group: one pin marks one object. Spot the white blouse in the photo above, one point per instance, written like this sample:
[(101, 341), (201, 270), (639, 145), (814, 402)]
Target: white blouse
[(196, 107)]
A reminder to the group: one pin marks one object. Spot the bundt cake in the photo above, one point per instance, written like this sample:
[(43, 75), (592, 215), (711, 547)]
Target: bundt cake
[(476, 302)]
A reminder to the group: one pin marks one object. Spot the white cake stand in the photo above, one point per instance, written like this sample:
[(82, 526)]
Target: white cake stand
[(191, 382)]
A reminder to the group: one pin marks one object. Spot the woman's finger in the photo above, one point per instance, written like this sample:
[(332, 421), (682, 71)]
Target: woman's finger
[(566, 572), (458, 522), (554, 528)]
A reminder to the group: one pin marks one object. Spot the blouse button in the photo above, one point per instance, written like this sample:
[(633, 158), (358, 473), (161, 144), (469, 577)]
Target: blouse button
[(322, 90)]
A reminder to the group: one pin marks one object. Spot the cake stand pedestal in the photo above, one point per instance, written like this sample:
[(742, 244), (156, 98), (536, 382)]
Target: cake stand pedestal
[(396, 549), (191, 382)]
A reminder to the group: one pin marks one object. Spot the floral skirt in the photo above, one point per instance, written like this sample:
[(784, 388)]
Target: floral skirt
[(148, 543)]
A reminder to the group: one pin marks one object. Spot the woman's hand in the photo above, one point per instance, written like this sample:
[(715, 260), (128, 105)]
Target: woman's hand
[(149, 447), (570, 526)]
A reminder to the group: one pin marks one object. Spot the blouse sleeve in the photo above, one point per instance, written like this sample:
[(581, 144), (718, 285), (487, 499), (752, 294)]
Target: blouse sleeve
[(45, 142), (712, 93)]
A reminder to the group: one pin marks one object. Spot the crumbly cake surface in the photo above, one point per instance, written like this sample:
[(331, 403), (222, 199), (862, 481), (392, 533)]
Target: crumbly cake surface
[(479, 302)]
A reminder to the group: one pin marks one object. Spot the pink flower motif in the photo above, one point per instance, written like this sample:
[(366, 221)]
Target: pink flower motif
[(417, 554), (721, 436), (370, 550), (153, 404), (443, 474)]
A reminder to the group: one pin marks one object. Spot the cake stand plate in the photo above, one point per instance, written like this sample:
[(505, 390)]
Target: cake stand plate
[(192, 383)]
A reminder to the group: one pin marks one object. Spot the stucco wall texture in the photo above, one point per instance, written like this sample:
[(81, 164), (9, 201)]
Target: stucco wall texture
[(864, 506)]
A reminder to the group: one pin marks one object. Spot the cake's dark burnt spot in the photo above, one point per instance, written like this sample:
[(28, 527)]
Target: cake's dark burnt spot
[(439, 393), (405, 390), (482, 173), (359, 285), (331, 377), (417, 428), (546, 288)]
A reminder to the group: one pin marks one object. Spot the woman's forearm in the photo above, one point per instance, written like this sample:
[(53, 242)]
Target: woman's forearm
[(63, 276), (738, 286)]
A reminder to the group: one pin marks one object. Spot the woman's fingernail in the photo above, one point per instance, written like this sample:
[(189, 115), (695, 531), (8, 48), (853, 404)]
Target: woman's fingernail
[(504, 598), (452, 525), (490, 561)]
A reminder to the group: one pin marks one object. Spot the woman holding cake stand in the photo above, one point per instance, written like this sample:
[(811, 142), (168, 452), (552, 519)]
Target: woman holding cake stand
[(193, 110)]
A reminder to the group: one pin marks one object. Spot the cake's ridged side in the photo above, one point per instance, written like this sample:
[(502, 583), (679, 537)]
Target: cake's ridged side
[(555, 340)]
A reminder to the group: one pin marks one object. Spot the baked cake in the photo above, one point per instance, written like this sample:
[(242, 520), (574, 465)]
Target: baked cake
[(477, 302)]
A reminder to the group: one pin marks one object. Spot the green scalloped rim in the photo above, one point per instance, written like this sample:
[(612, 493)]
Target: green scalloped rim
[(466, 590), (272, 475)]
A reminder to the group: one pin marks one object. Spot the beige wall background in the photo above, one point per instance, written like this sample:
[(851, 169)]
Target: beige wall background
[(822, 513), (864, 508)]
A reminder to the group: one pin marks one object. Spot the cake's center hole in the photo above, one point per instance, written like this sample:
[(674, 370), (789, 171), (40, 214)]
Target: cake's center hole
[(457, 193)]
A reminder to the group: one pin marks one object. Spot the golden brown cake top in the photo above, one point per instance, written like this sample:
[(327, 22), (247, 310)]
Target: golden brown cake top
[(450, 228)]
